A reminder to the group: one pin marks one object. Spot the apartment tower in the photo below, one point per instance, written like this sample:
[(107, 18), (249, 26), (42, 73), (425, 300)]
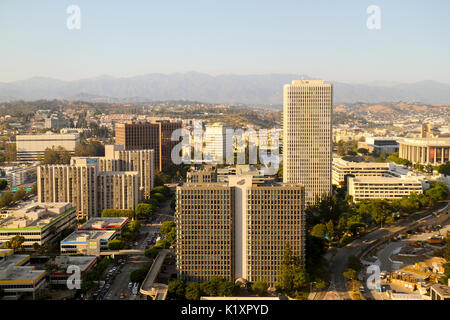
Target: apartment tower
[(307, 137)]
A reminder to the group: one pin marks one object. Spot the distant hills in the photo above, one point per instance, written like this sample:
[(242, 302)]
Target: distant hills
[(248, 89)]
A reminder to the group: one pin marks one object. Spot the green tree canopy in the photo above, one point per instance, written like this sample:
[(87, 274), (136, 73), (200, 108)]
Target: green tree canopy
[(319, 230), (193, 291), (176, 289), (260, 288)]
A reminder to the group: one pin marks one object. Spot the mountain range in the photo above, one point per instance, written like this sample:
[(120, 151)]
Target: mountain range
[(247, 89)]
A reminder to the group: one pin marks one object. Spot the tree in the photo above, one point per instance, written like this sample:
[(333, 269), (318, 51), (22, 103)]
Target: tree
[(380, 210), (292, 276), (15, 243), (143, 210), (115, 244), (260, 288), (158, 197), (354, 263), (3, 184), (118, 213), (57, 155), (176, 289), (226, 289), (161, 189), (5, 199), (319, 230), (350, 274), (330, 229), (90, 149), (19, 194), (444, 169), (166, 227), (152, 252), (193, 291)]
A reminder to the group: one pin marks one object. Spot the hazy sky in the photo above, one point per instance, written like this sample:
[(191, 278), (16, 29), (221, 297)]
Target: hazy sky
[(326, 39)]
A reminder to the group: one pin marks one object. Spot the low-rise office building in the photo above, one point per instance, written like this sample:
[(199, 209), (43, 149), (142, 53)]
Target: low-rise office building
[(32, 147), (342, 168), (105, 223), (58, 278), (380, 145), (16, 278), (367, 188), (87, 242), (37, 222)]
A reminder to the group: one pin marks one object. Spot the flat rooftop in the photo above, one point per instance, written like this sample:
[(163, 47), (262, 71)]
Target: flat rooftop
[(22, 274), (426, 142), (442, 289), (346, 163), (85, 236), (34, 215), (386, 180), (100, 223), (84, 262), (8, 258)]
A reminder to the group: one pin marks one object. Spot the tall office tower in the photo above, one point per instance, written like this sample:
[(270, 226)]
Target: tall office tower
[(154, 135), (88, 188), (205, 224), (215, 143), (238, 229), (307, 137)]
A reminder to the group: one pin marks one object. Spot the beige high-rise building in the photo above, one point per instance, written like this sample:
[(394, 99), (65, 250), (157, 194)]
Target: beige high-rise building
[(118, 159), (89, 189), (76, 184), (307, 136), (237, 229)]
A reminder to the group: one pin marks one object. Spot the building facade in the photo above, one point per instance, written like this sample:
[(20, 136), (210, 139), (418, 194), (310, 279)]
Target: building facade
[(307, 137), (32, 147), (17, 278), (434, 151), (88, 188), (215, 143), (237, 229), (37, 222), (343, 168), (367, 188), (155, 135)]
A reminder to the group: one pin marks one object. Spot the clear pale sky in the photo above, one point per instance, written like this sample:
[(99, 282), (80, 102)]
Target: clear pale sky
[(326, 39)]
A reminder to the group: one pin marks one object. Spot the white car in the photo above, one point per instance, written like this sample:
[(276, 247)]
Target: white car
[(130, 284)]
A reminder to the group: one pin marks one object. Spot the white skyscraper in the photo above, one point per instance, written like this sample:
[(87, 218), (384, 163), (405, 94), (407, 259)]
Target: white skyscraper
[(215, 141), (307, 140)]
